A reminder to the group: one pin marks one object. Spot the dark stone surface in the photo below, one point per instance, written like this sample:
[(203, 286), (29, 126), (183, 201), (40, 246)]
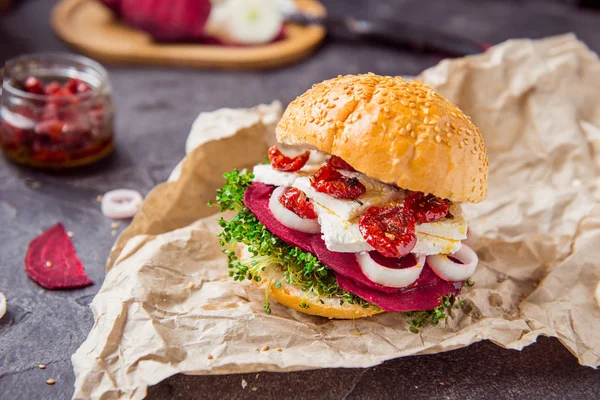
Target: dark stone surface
[(156, 107)]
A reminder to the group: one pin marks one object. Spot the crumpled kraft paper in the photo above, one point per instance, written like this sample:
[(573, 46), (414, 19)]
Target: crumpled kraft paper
[(167, 306)]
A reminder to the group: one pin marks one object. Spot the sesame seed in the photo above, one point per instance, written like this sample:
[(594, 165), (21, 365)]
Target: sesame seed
[(436, 129), (438, 138), (42, 366), (99, 198), (414, 113), (461, 145), (50, 381), (412, 105), (279, 349), (70, 234), (115, 225), (191, 285), (254, 388), (49, 264), (265, 348), (113, 233), (210, 357), (256, 349), (425, 120), (409, 127)]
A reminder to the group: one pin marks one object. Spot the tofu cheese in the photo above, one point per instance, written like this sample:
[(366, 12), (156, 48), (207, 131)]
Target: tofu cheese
[(339, 218), (345, 237)]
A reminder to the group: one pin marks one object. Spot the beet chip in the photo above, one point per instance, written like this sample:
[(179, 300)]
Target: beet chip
[(51, 261)]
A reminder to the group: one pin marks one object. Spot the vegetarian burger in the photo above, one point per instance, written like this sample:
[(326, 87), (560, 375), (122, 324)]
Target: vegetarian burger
[(367, 217)]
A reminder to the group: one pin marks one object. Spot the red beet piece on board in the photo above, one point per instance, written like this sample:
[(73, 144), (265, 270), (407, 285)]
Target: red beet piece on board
[(51, 261)]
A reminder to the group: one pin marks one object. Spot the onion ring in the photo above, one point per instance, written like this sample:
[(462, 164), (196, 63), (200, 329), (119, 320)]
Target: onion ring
[(2, 305), (121, 203), (390, 277), (452, 271), (289, 218)]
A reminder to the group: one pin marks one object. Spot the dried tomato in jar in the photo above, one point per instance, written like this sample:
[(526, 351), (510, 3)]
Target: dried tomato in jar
[(52, 118)]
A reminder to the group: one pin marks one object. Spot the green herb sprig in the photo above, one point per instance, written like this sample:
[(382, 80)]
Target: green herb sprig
[(300, 268)]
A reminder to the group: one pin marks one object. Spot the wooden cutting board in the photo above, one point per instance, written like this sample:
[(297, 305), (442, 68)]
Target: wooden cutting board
[(93, 30)]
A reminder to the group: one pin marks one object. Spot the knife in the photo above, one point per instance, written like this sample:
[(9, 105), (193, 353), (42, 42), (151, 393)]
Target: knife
[(398, 34)]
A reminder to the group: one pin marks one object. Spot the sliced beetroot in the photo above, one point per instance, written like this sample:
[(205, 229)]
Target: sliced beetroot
[(424, 294), (51, 261), (256, 199), (345, 264)]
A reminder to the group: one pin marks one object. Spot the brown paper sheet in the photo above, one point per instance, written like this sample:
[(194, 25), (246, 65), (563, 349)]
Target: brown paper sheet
[(166, 304)]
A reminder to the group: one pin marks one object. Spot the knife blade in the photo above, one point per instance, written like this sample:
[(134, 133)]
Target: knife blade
[(398, 34)]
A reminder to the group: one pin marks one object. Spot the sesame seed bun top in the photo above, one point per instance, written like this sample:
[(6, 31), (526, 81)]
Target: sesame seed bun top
[(399, 132)]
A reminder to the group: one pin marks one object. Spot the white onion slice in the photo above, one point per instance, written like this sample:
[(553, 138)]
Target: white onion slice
[(451, 271), (390, 277), (288, 218), (2, 305), (121, 203), (252, 21)]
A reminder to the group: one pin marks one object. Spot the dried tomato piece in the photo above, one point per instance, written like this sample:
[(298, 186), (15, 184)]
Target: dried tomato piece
[(329, 180), (390, 230), (296, 201), (285, 163), (426, 208), (33, 85), (338, 163)]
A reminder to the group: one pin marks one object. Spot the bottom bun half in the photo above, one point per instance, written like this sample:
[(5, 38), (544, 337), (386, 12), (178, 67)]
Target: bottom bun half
[(292, 296)]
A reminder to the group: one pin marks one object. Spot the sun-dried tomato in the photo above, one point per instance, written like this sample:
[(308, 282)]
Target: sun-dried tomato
[(295, 200), (284, 163), (328, 180), (426, 208), (390, 230), (338, 163)]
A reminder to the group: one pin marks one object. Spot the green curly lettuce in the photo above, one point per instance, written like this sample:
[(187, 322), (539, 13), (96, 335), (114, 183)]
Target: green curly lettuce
[(300, 268)]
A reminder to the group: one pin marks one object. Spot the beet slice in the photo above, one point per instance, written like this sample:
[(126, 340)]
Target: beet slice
[(345, 264), (424, 294), (256, 199), (51, 261)]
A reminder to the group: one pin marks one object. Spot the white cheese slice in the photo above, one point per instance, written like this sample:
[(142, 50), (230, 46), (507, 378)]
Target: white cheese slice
[(454, 228), (377, 194), (345, 237), (264, 173), (268, 175)]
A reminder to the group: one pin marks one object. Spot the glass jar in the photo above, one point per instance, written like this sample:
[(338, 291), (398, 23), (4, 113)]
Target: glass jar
[(56, 111)]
